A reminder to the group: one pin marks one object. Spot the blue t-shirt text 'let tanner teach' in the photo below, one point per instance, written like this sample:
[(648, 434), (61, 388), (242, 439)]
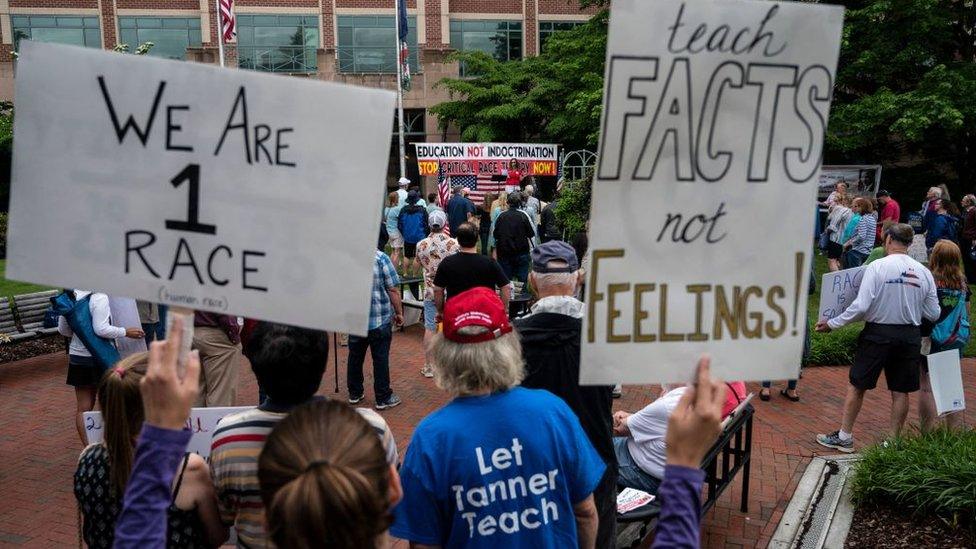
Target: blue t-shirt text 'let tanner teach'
[(502, 470)]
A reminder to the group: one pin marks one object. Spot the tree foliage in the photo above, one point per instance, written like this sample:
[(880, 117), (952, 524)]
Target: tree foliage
[(556, 96)]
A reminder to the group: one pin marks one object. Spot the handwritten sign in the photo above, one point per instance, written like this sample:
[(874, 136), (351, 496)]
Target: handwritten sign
[(202, 421), (837, 290), (486, 158), (223, 190), (712, 137)]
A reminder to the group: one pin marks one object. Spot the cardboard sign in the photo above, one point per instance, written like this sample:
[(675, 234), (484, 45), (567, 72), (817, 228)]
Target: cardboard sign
[(837, 290), (203, 422), (486, 158), (712, 137), (125, 314), (223, 190), (945, 375)]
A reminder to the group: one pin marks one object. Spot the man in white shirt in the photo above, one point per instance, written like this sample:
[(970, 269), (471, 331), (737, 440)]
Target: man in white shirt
[(896, 293), (639, 444)]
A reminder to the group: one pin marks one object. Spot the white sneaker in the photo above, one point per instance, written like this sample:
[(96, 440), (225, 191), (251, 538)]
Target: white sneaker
[(427, 371)]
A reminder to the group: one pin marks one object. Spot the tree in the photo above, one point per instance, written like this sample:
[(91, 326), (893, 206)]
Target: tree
[(556, 96), (906, 89)]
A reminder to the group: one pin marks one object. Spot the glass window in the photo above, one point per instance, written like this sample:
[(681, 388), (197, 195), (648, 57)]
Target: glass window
[(499, 39), (548, 28), (171, 36), (367, 43), (277, 43), (76, 31)]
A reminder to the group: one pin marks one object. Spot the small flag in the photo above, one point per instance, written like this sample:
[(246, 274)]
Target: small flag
[(443, 191), (228, 24)]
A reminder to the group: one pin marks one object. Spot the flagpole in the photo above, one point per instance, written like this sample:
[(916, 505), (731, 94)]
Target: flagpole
[(220, 34), (399, 83)]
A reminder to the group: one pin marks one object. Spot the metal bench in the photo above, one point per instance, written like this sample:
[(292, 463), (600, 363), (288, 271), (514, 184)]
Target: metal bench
[(730, 454), (23, 318)]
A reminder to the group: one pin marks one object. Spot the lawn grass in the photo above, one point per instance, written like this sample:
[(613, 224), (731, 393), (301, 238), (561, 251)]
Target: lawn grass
[(10, 288)]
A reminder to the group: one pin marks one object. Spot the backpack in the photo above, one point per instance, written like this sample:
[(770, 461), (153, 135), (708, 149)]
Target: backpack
[(952, 332), (78, 315), (413, 223)]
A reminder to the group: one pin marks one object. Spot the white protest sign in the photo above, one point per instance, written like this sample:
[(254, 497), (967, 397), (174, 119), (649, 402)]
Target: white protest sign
[(125, 314), (712, 136), (945, 375), (202, 421), (223, 190), (837, 290)]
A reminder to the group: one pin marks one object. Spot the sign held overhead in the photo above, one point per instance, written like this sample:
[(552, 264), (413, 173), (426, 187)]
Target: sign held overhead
[(705, 191), (188, 185)]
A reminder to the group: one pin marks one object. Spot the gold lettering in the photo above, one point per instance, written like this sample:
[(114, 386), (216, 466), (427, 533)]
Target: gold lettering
[(755, 331), (698, 290), (595, 295), (663, 319), (640, 314), (613, 312), (771, 302), (726, 315)]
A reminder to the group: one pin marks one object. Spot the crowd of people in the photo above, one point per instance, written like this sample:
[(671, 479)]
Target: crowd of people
[(522, 455)]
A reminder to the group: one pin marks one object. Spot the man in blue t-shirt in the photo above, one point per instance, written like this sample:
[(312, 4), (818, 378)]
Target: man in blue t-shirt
[(459, 209), (500, 465)]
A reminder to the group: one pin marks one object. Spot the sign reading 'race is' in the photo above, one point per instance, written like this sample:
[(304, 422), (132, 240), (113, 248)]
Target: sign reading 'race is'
[(701, 230), (184, 184)]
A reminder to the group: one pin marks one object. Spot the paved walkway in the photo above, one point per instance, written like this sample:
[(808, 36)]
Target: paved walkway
[(38, 446)]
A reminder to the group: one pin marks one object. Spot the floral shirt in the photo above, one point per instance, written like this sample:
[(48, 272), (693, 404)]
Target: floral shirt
[(430, 252)]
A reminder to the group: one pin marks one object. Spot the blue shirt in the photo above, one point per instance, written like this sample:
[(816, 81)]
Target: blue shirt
[(458, 209), (384, 277), (392, 215), (500, 470)]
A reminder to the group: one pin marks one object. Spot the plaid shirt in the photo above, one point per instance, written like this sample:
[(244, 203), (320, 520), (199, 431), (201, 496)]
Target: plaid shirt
[(384, 277)]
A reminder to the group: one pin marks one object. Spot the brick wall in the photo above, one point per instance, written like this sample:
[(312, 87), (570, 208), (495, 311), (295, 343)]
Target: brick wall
[(483, 6), (109, 39), (72, 4), (156, 4), (372, 4), (563, 7)]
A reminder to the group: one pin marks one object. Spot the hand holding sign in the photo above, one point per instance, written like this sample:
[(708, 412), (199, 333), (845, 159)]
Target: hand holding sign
[(166, 396)]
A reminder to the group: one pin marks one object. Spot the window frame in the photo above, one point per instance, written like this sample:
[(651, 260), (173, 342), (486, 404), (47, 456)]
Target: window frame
[(89, 25), (126, 28), (457, 32), (303, 57), (549, 32), (348, 22)]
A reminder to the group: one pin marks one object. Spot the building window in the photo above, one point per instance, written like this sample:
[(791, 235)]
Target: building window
[(499, 39), (548, 28), (75, 31), (367, 43), (277, 43), (171, 36)]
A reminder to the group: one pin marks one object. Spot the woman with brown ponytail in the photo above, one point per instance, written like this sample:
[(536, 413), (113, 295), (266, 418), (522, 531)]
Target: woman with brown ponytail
[(104, 469), (325, 480)]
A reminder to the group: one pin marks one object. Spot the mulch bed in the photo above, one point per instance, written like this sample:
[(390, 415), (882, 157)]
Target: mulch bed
[(883, 526), (10, 352)]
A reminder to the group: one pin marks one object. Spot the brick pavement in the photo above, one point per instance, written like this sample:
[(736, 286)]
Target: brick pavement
[(38, 448)]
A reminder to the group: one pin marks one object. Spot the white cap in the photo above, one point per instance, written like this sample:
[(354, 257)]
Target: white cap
[(437, 219), (404, 181)]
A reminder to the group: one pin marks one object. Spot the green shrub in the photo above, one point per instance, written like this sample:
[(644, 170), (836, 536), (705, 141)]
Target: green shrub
[(573, 208), (929, 474)]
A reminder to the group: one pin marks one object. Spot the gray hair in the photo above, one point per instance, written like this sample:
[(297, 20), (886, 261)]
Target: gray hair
[(465, 368), (529, 190), (543, 281), (900, 232)]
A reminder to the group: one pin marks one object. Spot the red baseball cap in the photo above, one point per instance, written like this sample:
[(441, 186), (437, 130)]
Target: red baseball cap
[(475, 307)]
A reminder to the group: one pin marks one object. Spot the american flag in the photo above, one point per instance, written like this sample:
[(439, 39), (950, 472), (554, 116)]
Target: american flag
[(228, 24), (478, 185)]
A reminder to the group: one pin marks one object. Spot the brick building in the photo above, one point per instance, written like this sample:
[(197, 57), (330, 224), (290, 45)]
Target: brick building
[(350, 41)]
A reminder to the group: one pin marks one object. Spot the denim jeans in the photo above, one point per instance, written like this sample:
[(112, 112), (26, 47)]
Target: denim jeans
[(515, 267), (378, 342), (629, 474), (853, 259)]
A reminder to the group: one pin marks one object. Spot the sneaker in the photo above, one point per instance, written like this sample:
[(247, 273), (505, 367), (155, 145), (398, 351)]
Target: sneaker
[(833, 441), (617, 392), (389, 403), (355, 399), (427, 371)]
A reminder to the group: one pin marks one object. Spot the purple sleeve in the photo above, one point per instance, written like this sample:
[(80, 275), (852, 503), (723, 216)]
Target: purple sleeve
[(142, 522), (680, 493)]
